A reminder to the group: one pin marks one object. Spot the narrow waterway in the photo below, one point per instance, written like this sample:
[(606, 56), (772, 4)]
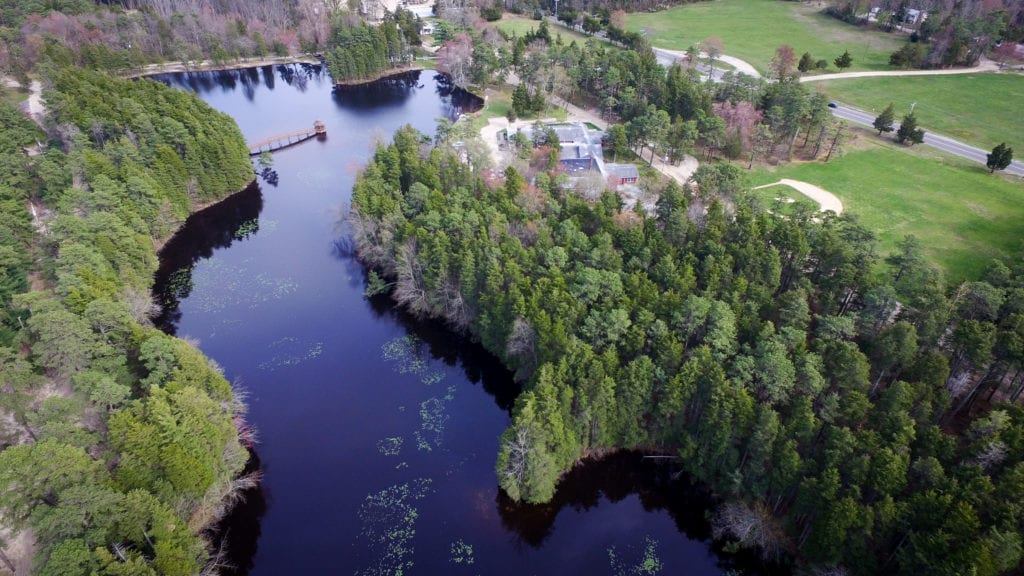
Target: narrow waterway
[(378, 434)]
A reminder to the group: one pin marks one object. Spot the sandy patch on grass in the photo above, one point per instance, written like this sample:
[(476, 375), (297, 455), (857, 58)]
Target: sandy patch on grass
[(824, 198)]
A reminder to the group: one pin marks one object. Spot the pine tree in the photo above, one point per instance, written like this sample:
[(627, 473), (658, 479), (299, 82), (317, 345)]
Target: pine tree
[(884, 121), (844, 60), (999, 158), (806, 62), (909, 131)]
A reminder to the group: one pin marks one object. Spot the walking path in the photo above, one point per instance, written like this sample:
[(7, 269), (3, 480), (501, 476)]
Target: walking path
[(985, 65), (740, 65), (824, 198), (207, 65), (34, 103)]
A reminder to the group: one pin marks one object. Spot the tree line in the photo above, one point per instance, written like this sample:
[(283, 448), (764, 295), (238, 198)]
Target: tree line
[(853, 413), (359, 51), (119, 443), (122, 36)]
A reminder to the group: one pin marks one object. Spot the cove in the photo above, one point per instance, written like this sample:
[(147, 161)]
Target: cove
[(377, 434)]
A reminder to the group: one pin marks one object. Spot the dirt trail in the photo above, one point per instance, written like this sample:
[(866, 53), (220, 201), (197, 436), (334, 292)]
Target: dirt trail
[(824, 198), (985, 65), (208, 65)]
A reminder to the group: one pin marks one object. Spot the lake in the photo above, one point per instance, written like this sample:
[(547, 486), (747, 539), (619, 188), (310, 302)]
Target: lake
[(377, 434)]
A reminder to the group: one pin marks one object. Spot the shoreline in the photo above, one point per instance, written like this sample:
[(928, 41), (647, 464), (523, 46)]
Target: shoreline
[(158, 245), (211, 66), (389, 73)]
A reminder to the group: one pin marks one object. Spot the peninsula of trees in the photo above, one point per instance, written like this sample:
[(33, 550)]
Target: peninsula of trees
[(807, 390), (120, 443)]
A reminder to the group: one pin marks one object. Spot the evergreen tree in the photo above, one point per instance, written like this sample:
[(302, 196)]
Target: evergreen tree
[(909, 132), (844, 60), (999, 158), (806, 62), (884, 121)]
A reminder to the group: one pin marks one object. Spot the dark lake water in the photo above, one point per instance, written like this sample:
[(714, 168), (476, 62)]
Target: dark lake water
[(378, 434)]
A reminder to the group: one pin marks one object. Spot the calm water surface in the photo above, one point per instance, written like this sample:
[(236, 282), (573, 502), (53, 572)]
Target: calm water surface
[(378, 434)]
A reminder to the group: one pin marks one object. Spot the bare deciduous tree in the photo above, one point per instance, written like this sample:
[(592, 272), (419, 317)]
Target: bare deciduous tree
[(751, 526)]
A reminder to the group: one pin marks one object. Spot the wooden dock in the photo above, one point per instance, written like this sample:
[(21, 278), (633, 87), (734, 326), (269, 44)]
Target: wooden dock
[(287, 139)]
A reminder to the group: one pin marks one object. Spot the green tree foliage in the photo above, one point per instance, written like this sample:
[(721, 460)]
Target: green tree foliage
[(130, 160), (363, 52), (763, 351), (884, 121), (806, 63), (909, 132), (844, 60), (999, 158)]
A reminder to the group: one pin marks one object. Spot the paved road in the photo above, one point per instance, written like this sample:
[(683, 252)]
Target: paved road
[(934, 140)]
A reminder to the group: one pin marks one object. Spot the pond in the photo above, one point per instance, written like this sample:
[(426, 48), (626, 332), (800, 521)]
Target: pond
[(377, 434)]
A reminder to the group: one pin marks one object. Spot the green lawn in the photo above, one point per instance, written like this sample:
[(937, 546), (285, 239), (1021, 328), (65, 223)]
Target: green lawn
[(753, 29), (962, 215), (980, 109), (519, 25)]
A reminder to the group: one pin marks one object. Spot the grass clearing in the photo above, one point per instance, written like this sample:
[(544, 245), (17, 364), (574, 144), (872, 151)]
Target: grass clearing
[(14, 95), (980, 109), (963, 216), (754, 29), (521, 25)]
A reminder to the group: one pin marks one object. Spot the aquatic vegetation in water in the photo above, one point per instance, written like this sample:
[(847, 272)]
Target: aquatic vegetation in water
[(179, 283), (404, 352), (461, 553), (290, 351), (226, 285), (389, 525), (407, 355), (432, 377), (390, 446), (648, 563), (433, 419)]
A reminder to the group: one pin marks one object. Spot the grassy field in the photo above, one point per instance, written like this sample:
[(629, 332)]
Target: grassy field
[(520, 25), (980, 109), (753, 29), (962, 215)]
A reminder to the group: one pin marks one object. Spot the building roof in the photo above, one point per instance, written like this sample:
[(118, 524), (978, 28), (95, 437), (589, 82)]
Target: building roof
[(622, 170)]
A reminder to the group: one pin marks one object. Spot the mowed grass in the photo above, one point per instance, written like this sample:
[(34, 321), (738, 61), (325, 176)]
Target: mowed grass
[(979, 109), (520, 25), (754, 29), (963, 216)]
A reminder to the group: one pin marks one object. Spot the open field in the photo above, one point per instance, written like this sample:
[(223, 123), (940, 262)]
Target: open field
[(979, 109), (520, 25), (753, 29), (962, 215)]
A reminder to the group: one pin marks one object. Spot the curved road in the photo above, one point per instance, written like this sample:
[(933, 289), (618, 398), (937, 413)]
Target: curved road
[(934, 140)]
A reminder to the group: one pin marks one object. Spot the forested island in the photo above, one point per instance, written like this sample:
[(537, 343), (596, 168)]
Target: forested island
[(851, 410)]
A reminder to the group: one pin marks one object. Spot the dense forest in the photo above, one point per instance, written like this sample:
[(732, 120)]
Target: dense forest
[(120, 443), (849, 411), (126, 35), (358, 51)]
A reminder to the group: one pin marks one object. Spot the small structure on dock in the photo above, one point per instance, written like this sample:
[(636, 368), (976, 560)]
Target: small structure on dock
[(287, 139)]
